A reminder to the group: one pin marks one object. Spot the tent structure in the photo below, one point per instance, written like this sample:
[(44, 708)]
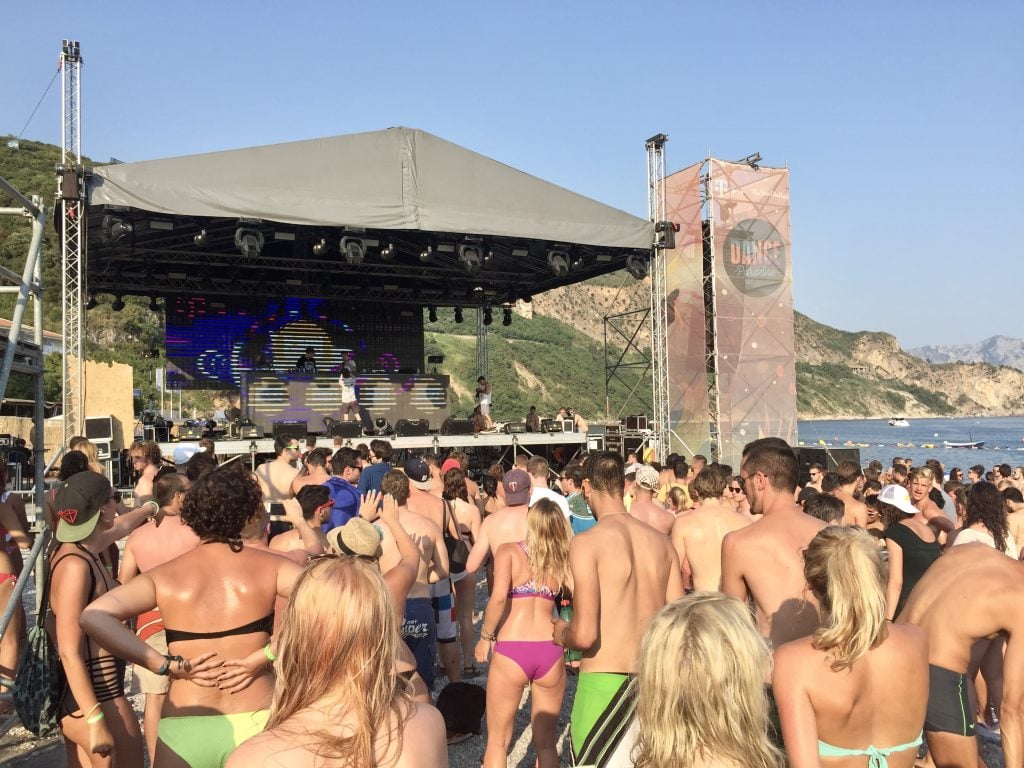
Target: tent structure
[(397, 215)]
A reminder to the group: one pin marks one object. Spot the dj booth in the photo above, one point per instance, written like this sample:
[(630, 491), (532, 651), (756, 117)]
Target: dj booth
[(269, 397)]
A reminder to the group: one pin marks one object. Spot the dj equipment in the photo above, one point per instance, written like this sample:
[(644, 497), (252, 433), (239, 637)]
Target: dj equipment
[(248, 431), (349, 429), (191, 431), (412, 428), (454, 426), (514, 428), (552, 425), (294, 429)]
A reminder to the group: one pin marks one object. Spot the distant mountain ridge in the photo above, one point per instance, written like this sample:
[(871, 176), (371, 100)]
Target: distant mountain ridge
[(995, 350)]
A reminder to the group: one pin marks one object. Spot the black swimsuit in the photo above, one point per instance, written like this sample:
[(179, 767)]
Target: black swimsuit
[(266, 624)]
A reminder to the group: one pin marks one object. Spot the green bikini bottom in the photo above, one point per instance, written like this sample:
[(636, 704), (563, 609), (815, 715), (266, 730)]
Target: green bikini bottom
[(205, 741)]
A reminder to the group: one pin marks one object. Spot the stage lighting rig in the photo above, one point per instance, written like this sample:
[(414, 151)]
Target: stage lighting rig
[(558, 262), (432, 314), (751, 160), (249, 242), (506, 317), (637, 266), (116, 229), (201, 238), (665, 235), (320, 247), (353, 249), (470, 257), (387, 253), (458, 314), (427, 254), (118, 303), (488, 317)]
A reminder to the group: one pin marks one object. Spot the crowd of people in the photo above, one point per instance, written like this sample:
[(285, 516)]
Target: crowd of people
[(305, 613)]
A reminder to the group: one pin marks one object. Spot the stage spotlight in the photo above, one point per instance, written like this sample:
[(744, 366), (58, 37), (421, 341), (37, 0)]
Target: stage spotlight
[(488, 318), (427, 254), (470, 257), (488, 258), (381, 426), (387, 253), (116, 228), (458, 314), (506, 318), (578, 262), (153, 306), (117, 304), (320, 248), (249, 242), (558, 262), (637, 266), (90, 303), (433, 314), (201, 238), (353, 251)]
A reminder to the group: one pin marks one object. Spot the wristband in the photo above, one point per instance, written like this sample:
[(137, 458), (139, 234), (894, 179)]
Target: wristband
[(156, 509), (165, 668), (95, 718), (488, 636), (94, 708), (271, 656)]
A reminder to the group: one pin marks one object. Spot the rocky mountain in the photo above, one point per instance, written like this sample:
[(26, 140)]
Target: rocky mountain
[(996, 350)]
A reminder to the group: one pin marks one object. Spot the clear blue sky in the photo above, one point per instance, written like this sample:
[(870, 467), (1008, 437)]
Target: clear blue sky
[(901, 122)]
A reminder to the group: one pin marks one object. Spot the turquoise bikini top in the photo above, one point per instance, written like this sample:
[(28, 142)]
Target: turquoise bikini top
[(877, 757)]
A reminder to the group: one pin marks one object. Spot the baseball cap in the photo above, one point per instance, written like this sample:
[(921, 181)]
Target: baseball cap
[(78, 504), (450, 464), (648, 477), (897, 496), (517, 484), (356, 537), (182, 453), (418, 472), (631, 469)]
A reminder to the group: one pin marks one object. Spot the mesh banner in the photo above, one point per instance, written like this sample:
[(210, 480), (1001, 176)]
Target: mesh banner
[(753, 289), (687, 379)]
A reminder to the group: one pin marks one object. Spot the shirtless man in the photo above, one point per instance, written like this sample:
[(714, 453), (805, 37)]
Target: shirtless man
[(275, 477), (851, 478), (145, 461), (697, 536), (316, 504), (1014, 501), (612, 606), (505, 525), (764, 560), (970, 593), (422, 501), (147, 547), (644, 508), (920, 488), (315, 472), (419, 628)]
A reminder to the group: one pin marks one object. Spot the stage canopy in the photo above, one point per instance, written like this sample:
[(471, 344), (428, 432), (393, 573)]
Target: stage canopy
[(397, 215)]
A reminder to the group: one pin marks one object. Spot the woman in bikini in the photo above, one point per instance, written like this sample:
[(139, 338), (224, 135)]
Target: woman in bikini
[(833, 709), (216, 601), (528, 577), (701, 699)]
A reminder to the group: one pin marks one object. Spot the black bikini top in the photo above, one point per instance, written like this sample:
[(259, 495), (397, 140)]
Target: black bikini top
[(266, 624)]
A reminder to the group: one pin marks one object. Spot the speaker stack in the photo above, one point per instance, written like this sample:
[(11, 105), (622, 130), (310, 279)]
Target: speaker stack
[(347, 429), (293, 429), (412, 428), (454, 426)]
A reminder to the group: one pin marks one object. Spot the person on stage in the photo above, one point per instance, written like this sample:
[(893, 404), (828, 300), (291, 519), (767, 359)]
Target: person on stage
[(349, 402), (483, 396), (307, 361)]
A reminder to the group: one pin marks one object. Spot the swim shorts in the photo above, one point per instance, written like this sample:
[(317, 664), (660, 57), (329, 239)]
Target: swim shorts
[(949, 710), (419, 631), (444, 611)]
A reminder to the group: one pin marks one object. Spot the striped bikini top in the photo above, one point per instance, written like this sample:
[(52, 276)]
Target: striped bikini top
[(530, 588)]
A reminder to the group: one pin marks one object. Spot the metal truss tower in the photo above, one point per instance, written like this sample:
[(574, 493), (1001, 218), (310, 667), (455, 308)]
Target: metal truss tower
[(70, 200), (709, 284), (659, 298), (482, 359)]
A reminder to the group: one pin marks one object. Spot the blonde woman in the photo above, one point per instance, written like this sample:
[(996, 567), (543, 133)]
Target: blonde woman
[(528, 577), (832, 703), (338, 700), (89, 449), (700, 688)]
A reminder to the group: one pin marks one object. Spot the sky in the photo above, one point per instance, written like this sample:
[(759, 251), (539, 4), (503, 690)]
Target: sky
[(900, 122)]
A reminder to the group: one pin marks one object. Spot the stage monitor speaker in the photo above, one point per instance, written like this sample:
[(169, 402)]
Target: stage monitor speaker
[(636, 422), (454, 426), (99, 428), (191, 433), (349, 429), (294, 429), (514, 428), (103, 449), (829, 458), (551, 425), (412, 428)]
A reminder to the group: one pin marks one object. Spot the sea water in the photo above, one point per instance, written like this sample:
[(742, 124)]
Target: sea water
[(923, 439)]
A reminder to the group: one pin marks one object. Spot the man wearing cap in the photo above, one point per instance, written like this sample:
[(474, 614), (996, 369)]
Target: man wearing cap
[(344, 495), (506, 525), (764, 560), (624, 573), (182, 455), (433, 508), (697, 536), (538, 468), (275, 476), (644, 508)]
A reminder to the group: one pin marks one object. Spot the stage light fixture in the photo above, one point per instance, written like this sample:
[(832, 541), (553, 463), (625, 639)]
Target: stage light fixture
[(387, 253), (558, 262), (117, 304), (637, 266), (470, 257), (458, 314), (427, 254), (751, 160), (488, 258), (153, 306), (321, 247), (249, 242), (506, 318), (433, 314), (115, 229), (201, 238), (381, 426), (353, 251), (578, 262), (90, 303), (488, 318)]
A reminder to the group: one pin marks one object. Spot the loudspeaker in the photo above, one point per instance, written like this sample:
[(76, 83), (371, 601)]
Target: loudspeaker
[(514, 428), (191, 433), (829, 458), (350, 429), (636, 422), (454, 426), (103, 449), (412, 428), (568, 425), (249, 432), (6, 441), (99, 428), (113, 471), (295, 429)]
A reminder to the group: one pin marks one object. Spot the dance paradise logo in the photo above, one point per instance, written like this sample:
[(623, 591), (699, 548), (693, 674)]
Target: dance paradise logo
[(756, 258)]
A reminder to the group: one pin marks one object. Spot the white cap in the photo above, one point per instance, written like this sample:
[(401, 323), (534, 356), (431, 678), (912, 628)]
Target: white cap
[(897, 496), (182, 453)]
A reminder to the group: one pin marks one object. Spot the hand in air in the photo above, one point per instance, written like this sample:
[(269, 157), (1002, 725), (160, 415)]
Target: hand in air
[(368, 509), (293, 512)]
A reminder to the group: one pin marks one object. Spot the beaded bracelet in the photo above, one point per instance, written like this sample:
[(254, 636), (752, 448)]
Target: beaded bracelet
[(271, 656), (165, 668)]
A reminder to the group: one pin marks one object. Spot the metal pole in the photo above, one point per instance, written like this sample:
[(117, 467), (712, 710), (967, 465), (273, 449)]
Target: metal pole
[(39, 416), (23, 294), (19, 587)]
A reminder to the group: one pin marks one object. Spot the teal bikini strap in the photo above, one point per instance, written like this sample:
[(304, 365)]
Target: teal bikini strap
[(877, 758)]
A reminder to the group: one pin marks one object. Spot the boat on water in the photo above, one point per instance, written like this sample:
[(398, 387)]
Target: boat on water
[(899, 421), (968, 444)]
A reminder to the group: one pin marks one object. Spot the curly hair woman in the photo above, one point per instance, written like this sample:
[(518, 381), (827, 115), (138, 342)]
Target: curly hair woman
[(528, 576), (700, 688), (338, 701), (985, 520), (858, 686), (217, 604)]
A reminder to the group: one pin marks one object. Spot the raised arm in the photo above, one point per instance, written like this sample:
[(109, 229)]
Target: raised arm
[(310, 541)]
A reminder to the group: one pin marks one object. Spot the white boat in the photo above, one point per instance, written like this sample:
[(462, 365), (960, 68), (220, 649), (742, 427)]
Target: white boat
[(899, 421), (970, 444)]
